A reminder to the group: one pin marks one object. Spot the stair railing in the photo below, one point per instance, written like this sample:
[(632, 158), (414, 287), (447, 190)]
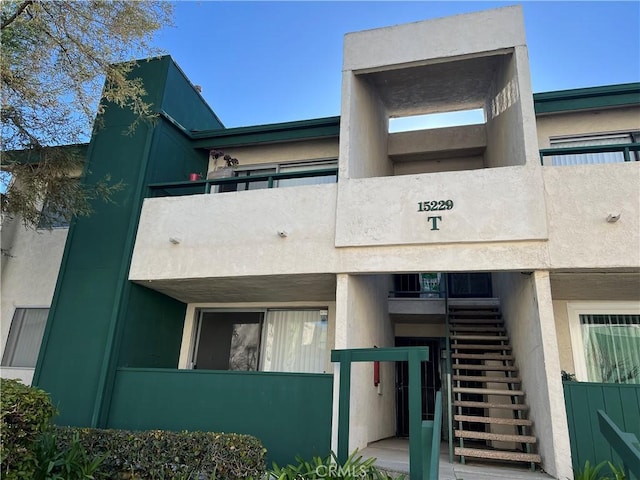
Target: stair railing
[(449, 381)]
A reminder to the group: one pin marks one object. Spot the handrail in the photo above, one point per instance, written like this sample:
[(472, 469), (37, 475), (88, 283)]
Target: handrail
[(624, 443), (204, 185), (625, 148), (431, 432), (445, 279)]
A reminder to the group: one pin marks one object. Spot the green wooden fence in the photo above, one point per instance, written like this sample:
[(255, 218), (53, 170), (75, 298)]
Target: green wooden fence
[(289, 412), (621, 403)]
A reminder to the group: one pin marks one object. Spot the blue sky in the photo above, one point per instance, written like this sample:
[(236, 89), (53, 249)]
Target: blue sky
[(267, 62)]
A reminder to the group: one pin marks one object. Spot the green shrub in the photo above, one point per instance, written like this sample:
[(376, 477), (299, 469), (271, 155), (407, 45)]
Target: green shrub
[(593, 472), (25, 413), (328, 468), (156, 454), (69, 463)]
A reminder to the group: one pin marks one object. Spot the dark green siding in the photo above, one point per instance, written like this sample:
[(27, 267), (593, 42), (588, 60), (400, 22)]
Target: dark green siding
[(290, 413), (98, 319), (152, 330), (620, 402)]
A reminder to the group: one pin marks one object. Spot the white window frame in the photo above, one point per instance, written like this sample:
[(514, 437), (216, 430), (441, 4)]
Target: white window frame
[(575, 309)]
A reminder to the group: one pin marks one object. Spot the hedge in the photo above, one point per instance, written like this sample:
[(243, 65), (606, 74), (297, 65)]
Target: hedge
[(31, 446), (156, 454), (25, 413)]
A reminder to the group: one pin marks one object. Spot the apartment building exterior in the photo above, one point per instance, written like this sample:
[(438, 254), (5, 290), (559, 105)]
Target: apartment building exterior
[(211, 298)]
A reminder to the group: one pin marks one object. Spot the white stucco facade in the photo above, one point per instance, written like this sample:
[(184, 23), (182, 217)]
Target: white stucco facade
[(30, 265), (541, 231)]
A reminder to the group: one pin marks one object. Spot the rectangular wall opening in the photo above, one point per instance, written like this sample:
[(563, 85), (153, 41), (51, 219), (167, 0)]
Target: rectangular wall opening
[(459, 118)]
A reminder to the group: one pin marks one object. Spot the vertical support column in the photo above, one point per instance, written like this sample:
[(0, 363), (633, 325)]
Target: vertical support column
[(343, 406), (415, 417)]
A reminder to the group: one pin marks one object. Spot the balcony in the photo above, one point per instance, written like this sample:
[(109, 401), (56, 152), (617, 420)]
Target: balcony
[(589, 155), (244, 239), (469, 206), (239, 183)]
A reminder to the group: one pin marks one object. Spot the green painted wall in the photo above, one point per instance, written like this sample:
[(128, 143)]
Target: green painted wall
[(620, 402), (290, 413), (98, 319)]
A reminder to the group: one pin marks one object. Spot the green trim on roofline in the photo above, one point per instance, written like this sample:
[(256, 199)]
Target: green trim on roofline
[(272, 133), (545, 102), (587, 98)]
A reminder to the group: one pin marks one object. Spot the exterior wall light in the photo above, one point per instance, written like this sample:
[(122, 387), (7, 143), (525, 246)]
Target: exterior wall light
[(175, 240), (613, 218), (282, 233)]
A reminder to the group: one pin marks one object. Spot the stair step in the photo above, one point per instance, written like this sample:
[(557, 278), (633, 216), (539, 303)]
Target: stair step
[(483, 356), (491, 338), (488, 391), (498, 454), (486, 379), (464, 346), (484, 368), (500, 437), (480, 312), (504, 406), (475, 321), (493, 420), (477, 329)]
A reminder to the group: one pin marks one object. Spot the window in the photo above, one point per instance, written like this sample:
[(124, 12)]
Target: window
[(593, 140), (267, 340), (295, 341), (50, 218), (606, 341), (56, 210), (282, 168), (25, 336)]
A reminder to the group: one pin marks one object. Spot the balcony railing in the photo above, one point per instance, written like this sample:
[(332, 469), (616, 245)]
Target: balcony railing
[(629, 151), (197, 187)]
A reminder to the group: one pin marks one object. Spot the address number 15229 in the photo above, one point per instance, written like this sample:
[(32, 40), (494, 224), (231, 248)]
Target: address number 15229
[(434, 205)]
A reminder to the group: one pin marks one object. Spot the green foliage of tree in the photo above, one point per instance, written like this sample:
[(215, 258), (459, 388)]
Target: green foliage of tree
[(56, 56)]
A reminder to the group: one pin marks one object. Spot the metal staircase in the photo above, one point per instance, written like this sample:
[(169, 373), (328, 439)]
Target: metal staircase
[(490, 413)]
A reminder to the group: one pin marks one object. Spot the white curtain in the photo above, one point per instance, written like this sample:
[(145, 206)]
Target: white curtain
[(590, 158), (25, 337), (294, 341), (612, 348)]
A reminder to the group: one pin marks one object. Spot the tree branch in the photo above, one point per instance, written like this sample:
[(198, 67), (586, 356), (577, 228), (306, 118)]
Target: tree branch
[(12, 18)]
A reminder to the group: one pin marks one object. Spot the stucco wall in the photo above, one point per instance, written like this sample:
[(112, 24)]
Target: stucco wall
[(431, 39), (453, 164), (29, 276), (563, 335), (385, 211), (362, 321), (504, 119), (624, 119), (420, 330), (319, 149), (437, 141), (236, 233), (528, 313), (579, 199), (511, 137), (364, 130)]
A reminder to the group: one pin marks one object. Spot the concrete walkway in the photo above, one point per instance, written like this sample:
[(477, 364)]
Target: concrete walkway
[(393, 455)]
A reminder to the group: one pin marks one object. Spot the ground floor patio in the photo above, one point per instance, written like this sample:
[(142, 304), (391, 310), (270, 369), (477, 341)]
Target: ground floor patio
[(392, 454)]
